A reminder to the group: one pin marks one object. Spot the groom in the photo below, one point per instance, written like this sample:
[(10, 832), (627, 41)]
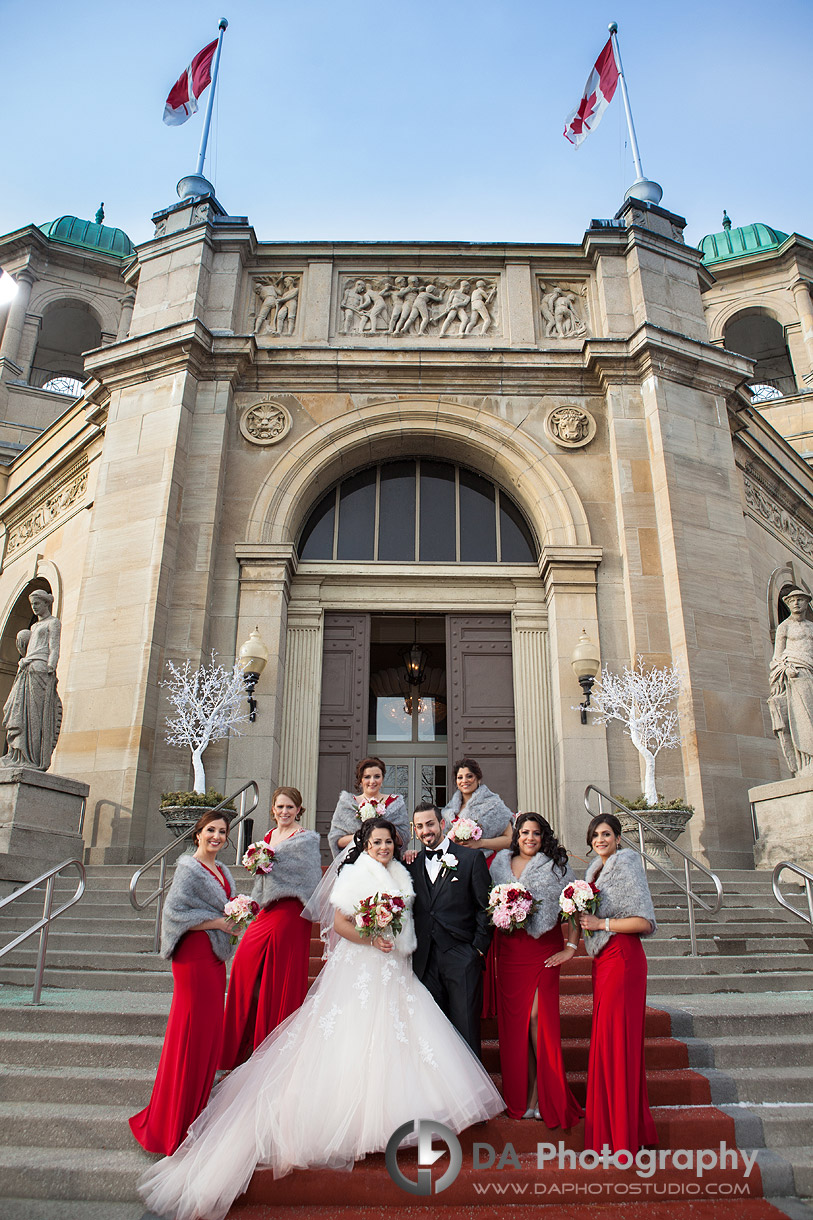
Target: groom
[(453, 930)]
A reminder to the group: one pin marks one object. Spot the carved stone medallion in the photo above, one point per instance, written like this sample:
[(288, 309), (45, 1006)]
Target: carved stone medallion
[(266, 423), (570, 427)]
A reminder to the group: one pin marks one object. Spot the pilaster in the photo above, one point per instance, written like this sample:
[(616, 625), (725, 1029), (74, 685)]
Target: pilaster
[(299, 756)]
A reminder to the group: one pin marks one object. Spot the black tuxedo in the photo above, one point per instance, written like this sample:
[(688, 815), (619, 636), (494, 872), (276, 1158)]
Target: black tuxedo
[(453, 932)]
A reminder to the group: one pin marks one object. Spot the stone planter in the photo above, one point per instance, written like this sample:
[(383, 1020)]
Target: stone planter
[(181, 818), (670, 822)]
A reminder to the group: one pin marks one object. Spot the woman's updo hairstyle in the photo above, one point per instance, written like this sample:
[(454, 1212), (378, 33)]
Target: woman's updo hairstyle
[(550, 845), (364, 764), (293, 794), (608, 819), (211, 815), (471, 764), (362, 837)]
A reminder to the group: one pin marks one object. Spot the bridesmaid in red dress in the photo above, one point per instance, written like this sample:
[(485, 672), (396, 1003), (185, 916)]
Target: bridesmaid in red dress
[(528, 965), (617, 1110), (269, 976), (196, 936)]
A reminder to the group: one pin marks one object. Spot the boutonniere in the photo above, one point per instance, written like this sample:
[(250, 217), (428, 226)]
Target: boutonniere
[(448, 863)]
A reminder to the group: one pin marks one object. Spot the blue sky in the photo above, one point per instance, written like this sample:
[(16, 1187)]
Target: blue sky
[(433, 119)]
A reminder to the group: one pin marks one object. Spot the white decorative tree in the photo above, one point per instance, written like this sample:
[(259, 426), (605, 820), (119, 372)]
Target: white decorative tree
[(643, 700), (208, 703)]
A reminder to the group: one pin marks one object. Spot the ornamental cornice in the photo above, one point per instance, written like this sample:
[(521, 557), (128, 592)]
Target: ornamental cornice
[(183, 347)]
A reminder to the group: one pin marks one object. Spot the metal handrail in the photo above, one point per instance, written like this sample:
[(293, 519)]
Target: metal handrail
[(43, 925), (780, 897), (688, 861), (160, 857)]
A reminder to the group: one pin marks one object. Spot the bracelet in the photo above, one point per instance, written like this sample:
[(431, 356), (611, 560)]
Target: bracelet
[(570, 945), (607, 924)]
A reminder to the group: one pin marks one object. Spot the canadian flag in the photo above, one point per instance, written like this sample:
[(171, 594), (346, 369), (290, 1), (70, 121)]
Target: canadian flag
[(183, 96), (598, 93)]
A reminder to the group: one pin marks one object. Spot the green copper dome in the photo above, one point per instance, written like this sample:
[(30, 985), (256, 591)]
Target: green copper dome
[(740, 243), (86, 235)]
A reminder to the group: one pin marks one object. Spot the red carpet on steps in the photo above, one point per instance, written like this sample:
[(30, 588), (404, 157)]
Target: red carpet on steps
[(683, 1114)]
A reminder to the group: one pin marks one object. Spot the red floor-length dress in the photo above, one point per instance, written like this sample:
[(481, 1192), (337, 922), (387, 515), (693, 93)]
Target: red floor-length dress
[(617, 1110), (269, 979), (192, 1044), (522, 973)]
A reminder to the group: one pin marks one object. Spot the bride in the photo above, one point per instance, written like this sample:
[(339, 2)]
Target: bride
[(368, 1051)]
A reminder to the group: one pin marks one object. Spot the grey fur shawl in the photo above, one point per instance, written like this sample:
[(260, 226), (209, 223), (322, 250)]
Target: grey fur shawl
[(194, 897), (623, 893), (346, 822), (544, 883), (487, 809), (296, 873)]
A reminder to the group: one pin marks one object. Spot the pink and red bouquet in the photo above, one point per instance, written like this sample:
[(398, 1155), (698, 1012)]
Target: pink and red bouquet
[(371, 807), (380, 915), (578, 897), (464, 830), (241, 910), (509, 906), (259, 857)]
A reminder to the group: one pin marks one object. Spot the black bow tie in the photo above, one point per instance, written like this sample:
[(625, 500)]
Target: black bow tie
[(434, 853)]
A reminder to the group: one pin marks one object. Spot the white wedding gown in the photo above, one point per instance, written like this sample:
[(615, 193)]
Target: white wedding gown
[(368, 1051)]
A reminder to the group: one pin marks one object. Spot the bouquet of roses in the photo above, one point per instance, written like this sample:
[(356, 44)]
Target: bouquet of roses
[(577, 897), (465, 829), (241, 910), (509, 906), (380, 915), (368, 808), (259, 857)]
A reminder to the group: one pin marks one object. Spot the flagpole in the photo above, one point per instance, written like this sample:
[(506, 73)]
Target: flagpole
[(204, 139), (641, 188)]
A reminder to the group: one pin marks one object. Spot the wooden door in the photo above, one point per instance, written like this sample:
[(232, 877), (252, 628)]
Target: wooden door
[(344, 705), (480, 691)]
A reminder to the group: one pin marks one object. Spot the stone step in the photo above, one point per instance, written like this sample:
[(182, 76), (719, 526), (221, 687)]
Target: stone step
[(80, 1050), (96, 980), (71, 1173), (60, 1125), (116, 1086), (715, 946), (79, 959), (760, 1084), (709, 984), (45, 1022), (784, 1125), (72, 1209), (781, 1050)]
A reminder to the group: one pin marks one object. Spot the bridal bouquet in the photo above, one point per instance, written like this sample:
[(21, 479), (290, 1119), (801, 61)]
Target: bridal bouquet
[(241, 910), (370, 809), (259, 857), (465, 829), (380, 915), (509, 906), (577, 897)]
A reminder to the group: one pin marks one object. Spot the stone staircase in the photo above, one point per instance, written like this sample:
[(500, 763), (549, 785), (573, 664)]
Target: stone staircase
[(728, 1055)]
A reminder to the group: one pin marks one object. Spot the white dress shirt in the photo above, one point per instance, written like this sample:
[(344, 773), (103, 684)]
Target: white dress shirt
[(434, 863)]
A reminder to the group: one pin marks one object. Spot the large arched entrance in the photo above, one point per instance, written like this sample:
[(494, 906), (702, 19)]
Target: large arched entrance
[(430, 522)]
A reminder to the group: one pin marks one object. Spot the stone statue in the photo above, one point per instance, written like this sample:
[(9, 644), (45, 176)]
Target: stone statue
[(455, 308), (33, 712), (356, 304), (481, 298), (279, 297), (791, 700), (558, 309)]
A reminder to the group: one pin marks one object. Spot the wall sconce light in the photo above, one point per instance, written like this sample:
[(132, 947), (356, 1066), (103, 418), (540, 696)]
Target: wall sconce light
[(586, 664), (252, 659)]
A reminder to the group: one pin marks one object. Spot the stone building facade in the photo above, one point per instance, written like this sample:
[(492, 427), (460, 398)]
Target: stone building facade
[(478, 449)]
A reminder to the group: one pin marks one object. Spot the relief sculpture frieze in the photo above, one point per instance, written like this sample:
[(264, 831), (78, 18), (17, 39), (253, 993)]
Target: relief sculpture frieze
[(765, 507), (564, 310), (412, 306), (277, 300), (54, 504)]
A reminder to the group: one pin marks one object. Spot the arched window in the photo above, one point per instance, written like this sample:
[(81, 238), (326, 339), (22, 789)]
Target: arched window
[(68, 329), (417, 511), (762, 339)]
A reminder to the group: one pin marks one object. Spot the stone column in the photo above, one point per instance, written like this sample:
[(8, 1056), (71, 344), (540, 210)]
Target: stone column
[(13, 333), (536, 785), (804, 308), (126, 318), (299, 748), (569, 575)]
